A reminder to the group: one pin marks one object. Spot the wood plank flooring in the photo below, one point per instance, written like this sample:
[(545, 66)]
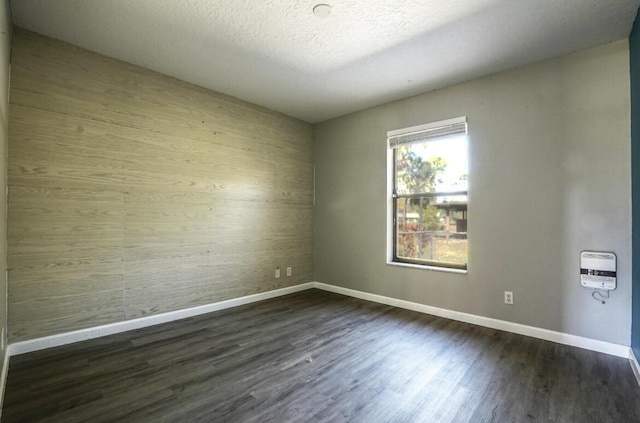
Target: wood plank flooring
[(319, 357)]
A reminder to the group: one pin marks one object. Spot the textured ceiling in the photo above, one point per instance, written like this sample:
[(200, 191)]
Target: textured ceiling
[(278, 54)]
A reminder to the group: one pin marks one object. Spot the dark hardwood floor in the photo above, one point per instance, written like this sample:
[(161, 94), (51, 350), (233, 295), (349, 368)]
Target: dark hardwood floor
[(319, 357)]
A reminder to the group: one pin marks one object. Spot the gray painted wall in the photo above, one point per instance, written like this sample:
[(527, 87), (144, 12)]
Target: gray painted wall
[(549, 177)]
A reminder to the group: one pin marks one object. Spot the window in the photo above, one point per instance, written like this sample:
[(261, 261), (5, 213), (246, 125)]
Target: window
[(428, 194)]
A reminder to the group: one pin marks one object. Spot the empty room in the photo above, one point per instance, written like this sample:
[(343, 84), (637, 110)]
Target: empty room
[(320, 211)]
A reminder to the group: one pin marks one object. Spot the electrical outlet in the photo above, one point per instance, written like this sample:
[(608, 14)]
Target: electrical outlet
[(508, 297), (289, 271), (277, 272)]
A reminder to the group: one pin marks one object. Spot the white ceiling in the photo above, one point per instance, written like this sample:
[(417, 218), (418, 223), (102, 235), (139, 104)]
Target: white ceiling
[(278, 54)]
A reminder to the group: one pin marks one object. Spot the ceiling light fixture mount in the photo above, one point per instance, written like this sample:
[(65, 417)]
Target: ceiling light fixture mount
[(322, 10)]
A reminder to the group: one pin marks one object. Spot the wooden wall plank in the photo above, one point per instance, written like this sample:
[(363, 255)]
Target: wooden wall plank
[(42, 317), (132, 193), (124, 94)]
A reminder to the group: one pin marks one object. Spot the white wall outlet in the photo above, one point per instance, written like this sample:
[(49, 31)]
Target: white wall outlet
[(277, 272), (508, 297), (289, 271)]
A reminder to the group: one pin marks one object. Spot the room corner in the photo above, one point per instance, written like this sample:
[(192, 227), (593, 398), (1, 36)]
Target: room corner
[(5, 47), (634, 61)]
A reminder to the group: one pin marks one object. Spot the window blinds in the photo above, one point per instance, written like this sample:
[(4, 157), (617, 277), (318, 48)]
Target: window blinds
[(429, 132)]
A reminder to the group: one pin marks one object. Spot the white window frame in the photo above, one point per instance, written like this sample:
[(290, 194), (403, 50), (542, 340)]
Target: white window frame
[(390, 187)]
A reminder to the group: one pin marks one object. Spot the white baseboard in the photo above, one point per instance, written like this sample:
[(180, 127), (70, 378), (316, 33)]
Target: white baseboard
[(634, 365), (534, 332), (113, 328)]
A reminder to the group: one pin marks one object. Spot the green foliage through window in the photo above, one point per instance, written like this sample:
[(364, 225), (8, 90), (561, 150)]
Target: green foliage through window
[(430, 203)]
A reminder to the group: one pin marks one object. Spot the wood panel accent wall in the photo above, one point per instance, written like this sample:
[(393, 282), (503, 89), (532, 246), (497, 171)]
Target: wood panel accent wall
[(5, 44), (132, 193)]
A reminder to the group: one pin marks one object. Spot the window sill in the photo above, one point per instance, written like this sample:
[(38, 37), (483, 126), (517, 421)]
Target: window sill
[(424, 267)]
